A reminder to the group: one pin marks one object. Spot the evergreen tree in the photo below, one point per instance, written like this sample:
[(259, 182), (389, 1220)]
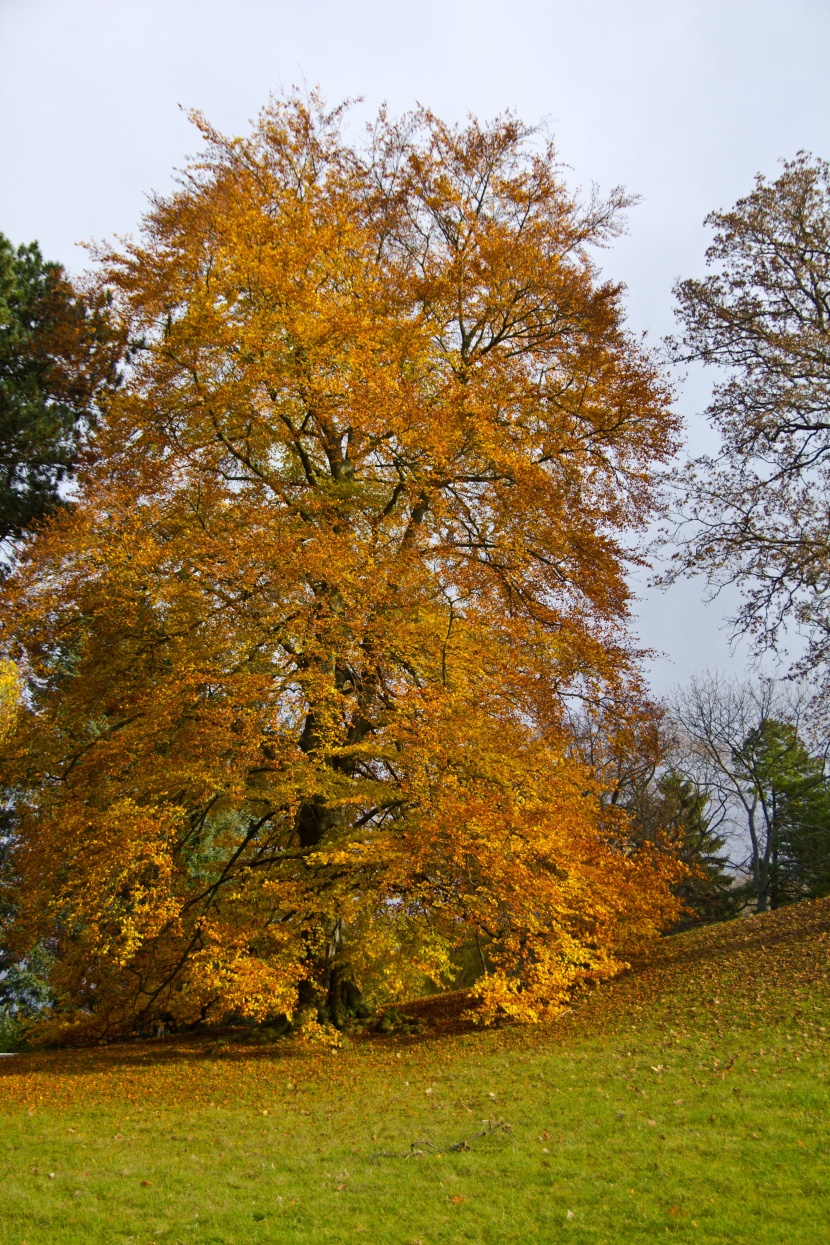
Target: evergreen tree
[(794, 796), (673, 805), (58, 352)]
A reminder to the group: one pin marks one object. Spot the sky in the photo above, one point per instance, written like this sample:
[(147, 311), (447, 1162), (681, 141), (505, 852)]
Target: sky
[(680, 101)]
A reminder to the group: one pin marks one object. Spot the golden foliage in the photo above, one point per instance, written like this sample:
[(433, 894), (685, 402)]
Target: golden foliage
[(9, 697), (351, 538)]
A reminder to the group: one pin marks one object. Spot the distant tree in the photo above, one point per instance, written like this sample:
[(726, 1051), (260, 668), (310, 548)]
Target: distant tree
[(676, 805), (58, 351), (634, 750), (761, 507), (743, 743), (794, 791)]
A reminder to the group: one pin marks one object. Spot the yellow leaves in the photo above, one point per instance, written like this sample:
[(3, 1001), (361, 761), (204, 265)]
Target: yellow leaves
[(9, 697), (306, 637), (312, 1032)]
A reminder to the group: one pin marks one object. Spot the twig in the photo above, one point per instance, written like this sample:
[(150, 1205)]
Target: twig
[(457, 1147)]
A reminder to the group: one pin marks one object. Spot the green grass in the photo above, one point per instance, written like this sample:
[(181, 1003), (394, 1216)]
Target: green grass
[(686, 1101)]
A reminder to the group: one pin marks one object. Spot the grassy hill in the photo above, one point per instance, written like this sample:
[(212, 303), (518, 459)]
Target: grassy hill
[(687, 1100)]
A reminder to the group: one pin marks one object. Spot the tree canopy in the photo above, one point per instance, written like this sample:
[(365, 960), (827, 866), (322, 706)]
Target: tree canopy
[(743, 744), (793, 793), (351, 533), (58, 352), (759, 508)]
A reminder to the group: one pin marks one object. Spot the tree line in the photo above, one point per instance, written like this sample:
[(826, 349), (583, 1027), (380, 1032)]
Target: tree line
[(317, 505)]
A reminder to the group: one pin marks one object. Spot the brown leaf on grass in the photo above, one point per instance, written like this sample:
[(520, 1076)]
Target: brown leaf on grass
[(457, 1199), (146, 1184)]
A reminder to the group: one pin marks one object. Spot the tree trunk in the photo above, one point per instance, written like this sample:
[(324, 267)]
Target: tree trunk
[(344, 1000)]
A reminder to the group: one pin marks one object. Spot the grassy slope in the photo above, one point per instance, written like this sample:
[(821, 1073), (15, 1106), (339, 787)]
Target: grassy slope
[(687, 1100)]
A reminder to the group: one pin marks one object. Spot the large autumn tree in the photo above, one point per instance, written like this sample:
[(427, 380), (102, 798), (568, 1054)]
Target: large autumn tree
[(354, 532)]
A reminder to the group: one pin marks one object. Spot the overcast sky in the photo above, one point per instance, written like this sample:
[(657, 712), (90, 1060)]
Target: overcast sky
[(682, 101)]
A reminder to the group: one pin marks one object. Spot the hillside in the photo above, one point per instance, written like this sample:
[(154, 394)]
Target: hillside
[(762, 970), (687, 1099)]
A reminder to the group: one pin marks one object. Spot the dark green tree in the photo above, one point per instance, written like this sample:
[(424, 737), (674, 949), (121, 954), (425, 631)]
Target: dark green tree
[(59, 352), (793, 802), (744, 742), (672, 805)]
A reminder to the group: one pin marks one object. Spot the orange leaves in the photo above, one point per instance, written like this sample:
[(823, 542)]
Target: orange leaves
[(351, 540)]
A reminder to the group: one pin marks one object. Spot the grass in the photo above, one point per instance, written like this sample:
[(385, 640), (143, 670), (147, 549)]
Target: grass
[(686, 1101)]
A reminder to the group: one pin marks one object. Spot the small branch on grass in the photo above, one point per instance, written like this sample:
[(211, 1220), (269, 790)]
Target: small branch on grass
[(421, 1147)]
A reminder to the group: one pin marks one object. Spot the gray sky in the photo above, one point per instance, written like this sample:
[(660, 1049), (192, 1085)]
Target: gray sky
[(682, 101)]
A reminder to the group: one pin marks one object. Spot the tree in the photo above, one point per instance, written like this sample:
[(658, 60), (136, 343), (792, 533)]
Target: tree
[(644, 774), (678, 802), (795, 794), (744, 744), (58, 355), (298, 658), (760, 509), (21, 986)]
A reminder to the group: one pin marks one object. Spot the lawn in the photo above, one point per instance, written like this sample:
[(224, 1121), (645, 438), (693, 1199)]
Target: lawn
[(687, 1101)]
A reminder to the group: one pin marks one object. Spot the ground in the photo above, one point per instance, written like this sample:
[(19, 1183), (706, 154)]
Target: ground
[(686, 1100)]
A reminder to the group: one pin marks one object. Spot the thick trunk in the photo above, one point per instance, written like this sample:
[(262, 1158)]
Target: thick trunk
[(344, 1000), (330, 984)]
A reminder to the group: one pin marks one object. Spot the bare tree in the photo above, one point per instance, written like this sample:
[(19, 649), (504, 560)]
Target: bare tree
[(757, 512)]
